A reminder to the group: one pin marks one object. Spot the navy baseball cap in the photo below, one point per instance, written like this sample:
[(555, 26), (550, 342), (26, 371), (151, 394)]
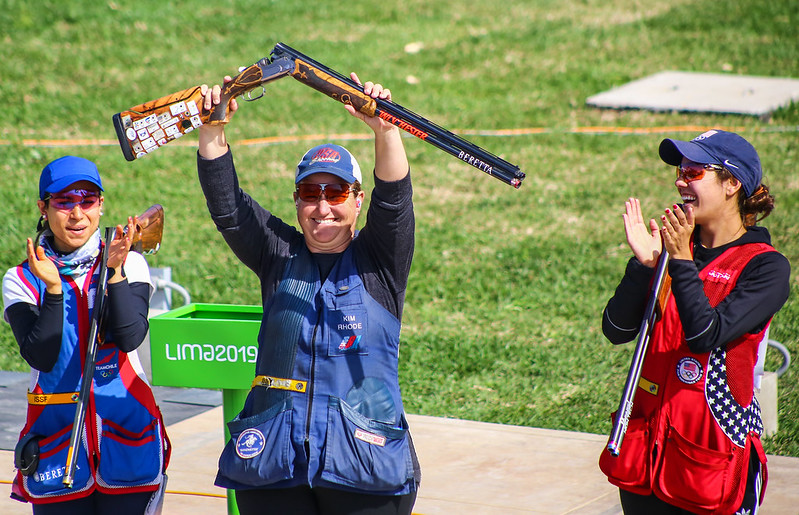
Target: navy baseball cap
[(718, 147), (65, 171), (329, 158)]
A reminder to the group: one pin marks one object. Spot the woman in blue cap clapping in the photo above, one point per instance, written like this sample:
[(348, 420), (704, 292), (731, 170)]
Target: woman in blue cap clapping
[(693, 440)]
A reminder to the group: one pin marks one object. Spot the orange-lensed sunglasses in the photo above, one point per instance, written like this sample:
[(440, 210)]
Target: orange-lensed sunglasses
[(690, 172), (335, 193)]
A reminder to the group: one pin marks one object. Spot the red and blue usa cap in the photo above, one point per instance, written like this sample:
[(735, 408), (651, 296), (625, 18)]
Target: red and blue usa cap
[(329, 158)]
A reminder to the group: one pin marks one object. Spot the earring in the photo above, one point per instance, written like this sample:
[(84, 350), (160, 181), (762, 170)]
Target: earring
[(101, 212), (44, 217)]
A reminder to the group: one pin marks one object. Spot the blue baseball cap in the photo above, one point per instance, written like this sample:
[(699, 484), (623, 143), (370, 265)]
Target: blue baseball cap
[(329, 158), (65, 171), (718, 147)]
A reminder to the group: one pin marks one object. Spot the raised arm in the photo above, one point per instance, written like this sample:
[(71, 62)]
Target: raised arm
[(391, 162), (212, 140)]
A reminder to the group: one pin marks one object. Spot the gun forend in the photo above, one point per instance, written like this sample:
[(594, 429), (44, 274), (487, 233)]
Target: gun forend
[(149, 230), (326, 80)]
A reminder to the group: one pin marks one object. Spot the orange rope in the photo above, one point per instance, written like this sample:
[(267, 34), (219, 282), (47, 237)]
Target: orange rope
[(274, 140), (199, 494), (175, 492)]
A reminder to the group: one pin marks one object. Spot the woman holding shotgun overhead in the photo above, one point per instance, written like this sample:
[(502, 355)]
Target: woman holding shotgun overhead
[(48, 302), (693, 441), (323, 430)]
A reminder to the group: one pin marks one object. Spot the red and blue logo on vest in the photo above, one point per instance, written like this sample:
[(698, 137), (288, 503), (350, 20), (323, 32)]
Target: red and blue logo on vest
[(349, 343)]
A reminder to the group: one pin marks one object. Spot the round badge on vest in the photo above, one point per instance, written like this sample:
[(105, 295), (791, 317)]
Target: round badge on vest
[(689, 370), (250, 443)]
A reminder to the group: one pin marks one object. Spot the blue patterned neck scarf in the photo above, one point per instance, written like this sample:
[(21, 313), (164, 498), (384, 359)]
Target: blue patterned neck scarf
[(75, 263)]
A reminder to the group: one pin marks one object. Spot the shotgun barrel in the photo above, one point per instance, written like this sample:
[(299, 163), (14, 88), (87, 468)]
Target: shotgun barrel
[(347, 91), (622, 418), (147, 240), (94, 341)]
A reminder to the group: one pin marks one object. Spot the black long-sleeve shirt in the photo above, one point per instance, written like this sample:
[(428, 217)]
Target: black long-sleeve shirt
[(38, 330), (761, 290), (383, 248)]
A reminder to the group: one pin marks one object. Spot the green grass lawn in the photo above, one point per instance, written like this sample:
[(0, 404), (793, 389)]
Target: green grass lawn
[(502, 317)]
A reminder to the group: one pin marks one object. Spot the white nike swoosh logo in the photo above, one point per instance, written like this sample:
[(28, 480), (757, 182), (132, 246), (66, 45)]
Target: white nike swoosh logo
[(727, 163)]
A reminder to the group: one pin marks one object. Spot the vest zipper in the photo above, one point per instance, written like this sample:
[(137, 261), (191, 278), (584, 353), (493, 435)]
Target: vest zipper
[(310, 391)]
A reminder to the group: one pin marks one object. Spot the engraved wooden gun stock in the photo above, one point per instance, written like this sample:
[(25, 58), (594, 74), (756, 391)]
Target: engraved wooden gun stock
[(654, 309), (145, 127), (148, 240)]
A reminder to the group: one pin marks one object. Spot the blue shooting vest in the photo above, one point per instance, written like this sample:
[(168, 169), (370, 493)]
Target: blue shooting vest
[(325, 407), (124, 447)]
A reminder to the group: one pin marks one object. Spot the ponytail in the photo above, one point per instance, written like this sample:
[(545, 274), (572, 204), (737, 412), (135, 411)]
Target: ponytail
[(42, 226), (761, 202)]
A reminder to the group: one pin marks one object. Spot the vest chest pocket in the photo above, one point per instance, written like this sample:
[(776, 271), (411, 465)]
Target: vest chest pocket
[(347, 330), (364, 453)]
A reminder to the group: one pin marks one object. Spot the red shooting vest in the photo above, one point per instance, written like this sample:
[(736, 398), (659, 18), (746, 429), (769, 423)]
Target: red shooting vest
[(695, 420)]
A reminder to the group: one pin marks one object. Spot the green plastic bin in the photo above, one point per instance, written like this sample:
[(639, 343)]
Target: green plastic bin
[(205, 346), (211, 346)]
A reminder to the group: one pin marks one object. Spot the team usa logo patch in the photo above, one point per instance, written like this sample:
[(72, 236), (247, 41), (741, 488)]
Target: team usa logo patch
[(250, 443), (349, 343), (689, 370)]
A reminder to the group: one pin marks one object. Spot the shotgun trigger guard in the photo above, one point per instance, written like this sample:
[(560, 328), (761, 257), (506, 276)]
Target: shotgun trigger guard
[(248, 96), (270, 70)]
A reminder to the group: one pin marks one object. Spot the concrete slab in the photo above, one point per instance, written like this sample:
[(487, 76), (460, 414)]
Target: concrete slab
[(468, 467), (13, 406), (701, 92), (485, 469)]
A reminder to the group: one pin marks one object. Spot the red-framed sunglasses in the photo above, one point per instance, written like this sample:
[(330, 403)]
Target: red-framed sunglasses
[(690, 172), (67, 200), (335, 193)]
